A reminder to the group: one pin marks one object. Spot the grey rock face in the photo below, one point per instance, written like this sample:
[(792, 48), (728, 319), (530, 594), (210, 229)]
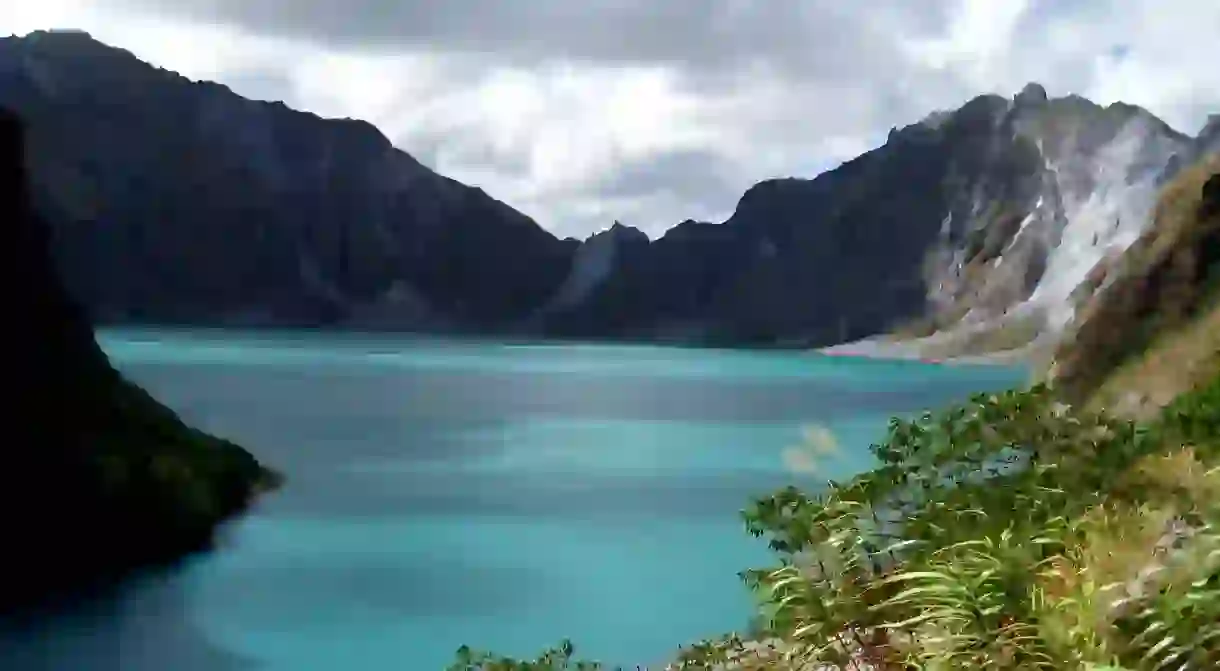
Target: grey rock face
[(594, 262)]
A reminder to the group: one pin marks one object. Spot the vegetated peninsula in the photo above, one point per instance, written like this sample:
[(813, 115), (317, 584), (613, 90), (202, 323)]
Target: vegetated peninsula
[(100, 478)]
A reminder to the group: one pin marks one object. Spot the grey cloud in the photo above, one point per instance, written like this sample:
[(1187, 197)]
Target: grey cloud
[(838, 71), (684, 174), (448, 154), (269, 85), (1195, 113), (1041, 12), (425, 148), (1120, 52), (652, 192), (791, 82), (581, 226), (815, 38)]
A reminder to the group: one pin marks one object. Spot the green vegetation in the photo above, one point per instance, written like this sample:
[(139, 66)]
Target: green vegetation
[(167, 475), (558, 658), (131, 484), (1009, 532)]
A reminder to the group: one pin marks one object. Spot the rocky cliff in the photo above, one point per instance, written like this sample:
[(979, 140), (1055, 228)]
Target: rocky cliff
[(100, 478), (980, 229)]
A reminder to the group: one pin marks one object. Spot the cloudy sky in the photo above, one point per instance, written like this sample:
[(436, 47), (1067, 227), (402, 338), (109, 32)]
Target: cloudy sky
[(580, 112)]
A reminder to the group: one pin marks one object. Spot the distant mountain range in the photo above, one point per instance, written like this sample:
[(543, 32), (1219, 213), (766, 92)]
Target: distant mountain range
[(175, 201)]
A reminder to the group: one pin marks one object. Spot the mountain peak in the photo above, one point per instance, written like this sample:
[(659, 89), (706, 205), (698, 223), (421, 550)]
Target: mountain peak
[(1211, 129), (1032, 94), (64, 39), (65, 34), (621, 232)]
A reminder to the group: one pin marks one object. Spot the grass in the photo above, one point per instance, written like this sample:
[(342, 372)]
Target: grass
[(1166, 281), (1172, 363)]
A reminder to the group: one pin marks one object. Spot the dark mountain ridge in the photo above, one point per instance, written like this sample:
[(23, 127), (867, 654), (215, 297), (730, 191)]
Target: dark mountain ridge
[(180, 202)]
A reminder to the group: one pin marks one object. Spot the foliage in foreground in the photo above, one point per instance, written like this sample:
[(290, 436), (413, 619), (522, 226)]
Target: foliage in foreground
[(1010, 532)]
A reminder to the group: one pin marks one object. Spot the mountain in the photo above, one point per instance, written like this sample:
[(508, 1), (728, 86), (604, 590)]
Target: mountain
[(979, 221), (973, 230), (180, 201), (101, 478)]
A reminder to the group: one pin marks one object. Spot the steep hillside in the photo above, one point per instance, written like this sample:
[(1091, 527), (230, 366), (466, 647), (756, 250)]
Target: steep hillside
[(100, 477), (1152, 331), (180, 201), (983, 218)]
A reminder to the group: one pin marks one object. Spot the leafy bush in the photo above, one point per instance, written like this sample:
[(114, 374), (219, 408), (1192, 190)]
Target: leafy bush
[(1009, 532), (558, 658)]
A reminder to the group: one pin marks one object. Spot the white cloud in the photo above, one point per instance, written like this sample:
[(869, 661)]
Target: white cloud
[(22, 17), (976, 38), (548, 134), (1157, 54)]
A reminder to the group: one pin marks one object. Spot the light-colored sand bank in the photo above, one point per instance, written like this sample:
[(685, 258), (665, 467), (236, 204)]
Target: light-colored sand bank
[(923, 349)]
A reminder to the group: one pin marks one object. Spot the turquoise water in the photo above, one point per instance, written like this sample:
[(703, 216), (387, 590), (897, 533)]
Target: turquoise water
[(504, 496)]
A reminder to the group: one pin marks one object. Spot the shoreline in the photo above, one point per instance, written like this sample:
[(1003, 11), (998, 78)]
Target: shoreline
[(917, 350), (927, 349)]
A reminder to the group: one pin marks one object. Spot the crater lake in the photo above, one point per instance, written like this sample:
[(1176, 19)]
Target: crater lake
[(500, 495)]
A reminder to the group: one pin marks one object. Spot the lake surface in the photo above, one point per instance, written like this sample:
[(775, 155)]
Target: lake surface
[(442, 493)]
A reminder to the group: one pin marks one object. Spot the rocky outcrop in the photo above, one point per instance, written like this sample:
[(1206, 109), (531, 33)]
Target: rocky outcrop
[(101, 478)]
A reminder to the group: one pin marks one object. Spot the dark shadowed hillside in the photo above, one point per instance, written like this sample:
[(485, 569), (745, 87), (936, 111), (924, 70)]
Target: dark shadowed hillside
[(180, 201), (99, 477)]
